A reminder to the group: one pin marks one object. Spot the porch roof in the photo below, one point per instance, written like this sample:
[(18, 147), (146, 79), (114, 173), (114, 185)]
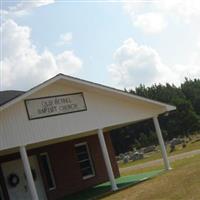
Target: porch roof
[(20, 95)]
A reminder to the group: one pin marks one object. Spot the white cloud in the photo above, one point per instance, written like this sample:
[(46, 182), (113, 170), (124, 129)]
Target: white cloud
[(136, 64), (22, 66), (64, 39), (24, 7), (145, 16), (156, 14), (190, 71), (150, 22), (198, 43), (186, 10)]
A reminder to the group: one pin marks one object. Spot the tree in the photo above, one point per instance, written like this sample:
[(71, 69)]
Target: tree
[(185, 120), (191, 90)]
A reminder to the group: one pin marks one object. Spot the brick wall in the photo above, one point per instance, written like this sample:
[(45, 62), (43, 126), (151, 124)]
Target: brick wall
[(66, 168)]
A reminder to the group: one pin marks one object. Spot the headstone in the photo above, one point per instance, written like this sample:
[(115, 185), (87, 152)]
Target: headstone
[(137, 156), (148, 149), (125, 159), (121, 156)]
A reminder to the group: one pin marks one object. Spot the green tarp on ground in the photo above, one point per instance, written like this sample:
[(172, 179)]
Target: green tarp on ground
[(105, 188)]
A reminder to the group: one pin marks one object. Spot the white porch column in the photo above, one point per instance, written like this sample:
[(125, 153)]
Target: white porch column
[(27, 170), (161, 142), (107, 160)]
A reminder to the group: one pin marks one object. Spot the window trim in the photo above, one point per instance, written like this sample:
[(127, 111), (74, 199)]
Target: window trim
[(89, 159), (50, 170)]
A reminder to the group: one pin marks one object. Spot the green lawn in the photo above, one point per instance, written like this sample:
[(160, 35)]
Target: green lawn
[(181, 183), (174, 165), (157, 154)]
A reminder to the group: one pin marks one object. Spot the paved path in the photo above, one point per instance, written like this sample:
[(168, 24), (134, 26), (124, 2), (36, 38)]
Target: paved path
[(160, 161)]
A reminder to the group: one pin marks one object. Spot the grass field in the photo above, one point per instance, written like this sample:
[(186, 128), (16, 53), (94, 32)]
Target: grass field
[(181, 183), (192, 145)]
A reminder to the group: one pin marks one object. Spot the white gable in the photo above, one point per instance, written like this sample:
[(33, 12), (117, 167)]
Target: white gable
[(104, 109)]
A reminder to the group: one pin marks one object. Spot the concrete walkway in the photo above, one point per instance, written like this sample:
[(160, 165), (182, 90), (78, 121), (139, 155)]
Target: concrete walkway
[(160, 161)]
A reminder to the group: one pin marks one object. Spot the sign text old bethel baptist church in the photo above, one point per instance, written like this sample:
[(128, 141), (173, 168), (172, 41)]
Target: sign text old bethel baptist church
[(55, 105)]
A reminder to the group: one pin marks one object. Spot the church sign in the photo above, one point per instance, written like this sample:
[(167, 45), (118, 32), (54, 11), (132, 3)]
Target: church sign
[(55, 105)]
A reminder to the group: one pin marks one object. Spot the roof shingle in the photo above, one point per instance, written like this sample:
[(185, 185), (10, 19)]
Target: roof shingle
[(8, 95)]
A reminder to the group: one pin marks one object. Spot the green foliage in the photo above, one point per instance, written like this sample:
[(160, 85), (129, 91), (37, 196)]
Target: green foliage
[(185, 120), (191, 90)]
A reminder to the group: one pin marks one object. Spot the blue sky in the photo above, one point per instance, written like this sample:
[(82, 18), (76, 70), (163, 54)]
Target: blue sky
[(120, 44)]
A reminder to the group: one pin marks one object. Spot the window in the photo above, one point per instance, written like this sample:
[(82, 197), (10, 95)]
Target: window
[(85, 161), (48, 171)]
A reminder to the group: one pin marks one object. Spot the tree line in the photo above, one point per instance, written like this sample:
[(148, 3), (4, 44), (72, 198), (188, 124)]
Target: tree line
[(183, 121)]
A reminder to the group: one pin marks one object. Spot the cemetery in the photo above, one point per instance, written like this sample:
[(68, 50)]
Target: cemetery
[(186, 145)]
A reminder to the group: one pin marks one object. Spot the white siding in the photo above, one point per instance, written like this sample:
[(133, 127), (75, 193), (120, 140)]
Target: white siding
[(103, 110)]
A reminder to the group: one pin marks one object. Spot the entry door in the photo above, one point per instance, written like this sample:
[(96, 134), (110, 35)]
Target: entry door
[(20, 191)]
